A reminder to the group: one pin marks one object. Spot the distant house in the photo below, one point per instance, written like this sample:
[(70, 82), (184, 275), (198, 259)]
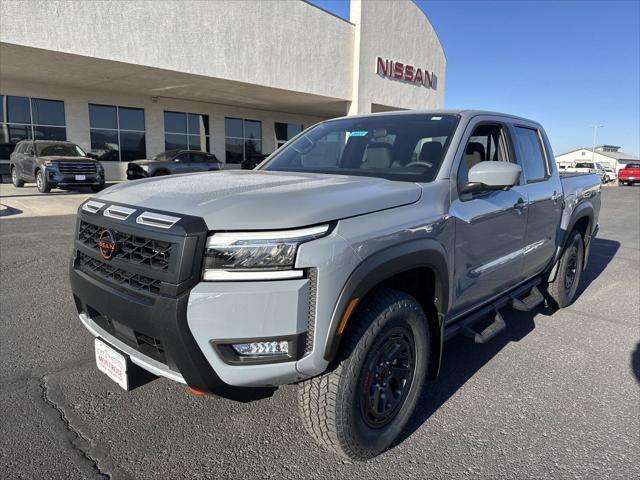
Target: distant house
[(608, 155)]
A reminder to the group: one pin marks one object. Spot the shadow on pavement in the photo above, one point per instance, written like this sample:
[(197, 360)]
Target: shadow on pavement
[(635, 362), (602, 252), (462, 358)]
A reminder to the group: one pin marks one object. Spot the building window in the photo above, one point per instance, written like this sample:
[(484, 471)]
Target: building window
[(186, 131), (286, 131), (24, 118), (243, 139), (117, 133)]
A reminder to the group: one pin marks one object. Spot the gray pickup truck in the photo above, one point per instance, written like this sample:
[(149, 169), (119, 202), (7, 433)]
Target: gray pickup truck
[(341, 264)]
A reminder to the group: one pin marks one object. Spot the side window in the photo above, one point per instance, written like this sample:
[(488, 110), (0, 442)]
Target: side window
[(182, 158), (486, 143), (29, 150), (533, 160), (199, 157)]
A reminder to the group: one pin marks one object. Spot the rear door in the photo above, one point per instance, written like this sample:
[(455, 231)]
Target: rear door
[(544, 190), (490, 225)]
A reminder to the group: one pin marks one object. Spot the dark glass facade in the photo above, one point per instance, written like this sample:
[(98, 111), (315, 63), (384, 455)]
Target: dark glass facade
[(27, 118), (117, 133), (243, 139), (186, 131), (286, 131)]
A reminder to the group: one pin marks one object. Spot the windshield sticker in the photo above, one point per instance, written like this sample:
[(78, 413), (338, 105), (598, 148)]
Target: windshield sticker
[(358, 134)]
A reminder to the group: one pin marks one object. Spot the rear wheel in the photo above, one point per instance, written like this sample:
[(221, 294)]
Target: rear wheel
[(563, 289), (362, 404), (15, 179), (42, 183)]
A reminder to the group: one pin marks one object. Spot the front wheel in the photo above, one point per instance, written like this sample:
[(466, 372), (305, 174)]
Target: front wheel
[(562, 290), (15, 179), (42, 183), (359, 407)]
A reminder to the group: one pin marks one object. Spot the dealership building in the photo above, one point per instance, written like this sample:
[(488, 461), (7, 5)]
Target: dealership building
[(610, 156), (130, 79)]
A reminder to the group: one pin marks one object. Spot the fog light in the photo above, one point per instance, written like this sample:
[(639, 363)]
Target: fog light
[(262, 348)]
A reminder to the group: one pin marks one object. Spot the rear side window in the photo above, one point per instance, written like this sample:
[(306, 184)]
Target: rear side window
[(533, 161)]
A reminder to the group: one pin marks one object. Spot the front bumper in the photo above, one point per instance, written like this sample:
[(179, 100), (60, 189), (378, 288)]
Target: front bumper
[(175, 326), (59, 179)]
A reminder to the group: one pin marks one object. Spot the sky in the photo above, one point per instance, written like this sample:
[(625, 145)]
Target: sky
[(566, 64)]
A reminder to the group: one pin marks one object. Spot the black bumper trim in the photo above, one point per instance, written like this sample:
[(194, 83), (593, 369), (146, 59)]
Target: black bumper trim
[(164, 318)]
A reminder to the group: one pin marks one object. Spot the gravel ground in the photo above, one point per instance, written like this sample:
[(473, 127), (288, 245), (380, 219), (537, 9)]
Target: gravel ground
[(554, 395)]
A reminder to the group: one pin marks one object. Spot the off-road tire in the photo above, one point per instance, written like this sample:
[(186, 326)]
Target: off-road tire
[(15, 180), (559, 293), (42, 183), (330, 405)]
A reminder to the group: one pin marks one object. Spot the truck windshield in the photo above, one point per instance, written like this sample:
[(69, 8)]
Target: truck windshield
[(408, 147), (59, 150)]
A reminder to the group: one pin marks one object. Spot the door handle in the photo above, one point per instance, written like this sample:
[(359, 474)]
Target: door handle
[(520, 205), (556, 196)]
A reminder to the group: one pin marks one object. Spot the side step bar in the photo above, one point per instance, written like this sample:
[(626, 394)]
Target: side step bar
[(516, 299), (488, 333), (528, 303)]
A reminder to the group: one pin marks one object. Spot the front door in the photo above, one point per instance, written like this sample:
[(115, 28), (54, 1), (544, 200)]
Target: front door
[(490, 226)]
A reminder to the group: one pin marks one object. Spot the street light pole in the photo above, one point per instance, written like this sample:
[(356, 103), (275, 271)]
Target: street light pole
[(593, 150)]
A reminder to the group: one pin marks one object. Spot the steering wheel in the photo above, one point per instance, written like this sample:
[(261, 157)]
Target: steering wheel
[(419, 163)]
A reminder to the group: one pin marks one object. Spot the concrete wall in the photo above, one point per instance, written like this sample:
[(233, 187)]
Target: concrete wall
[(286, 44), (399, 31), (76, 104)]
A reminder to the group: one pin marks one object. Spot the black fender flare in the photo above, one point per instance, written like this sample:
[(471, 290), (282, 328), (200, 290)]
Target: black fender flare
[(582, 210), (385, 264)]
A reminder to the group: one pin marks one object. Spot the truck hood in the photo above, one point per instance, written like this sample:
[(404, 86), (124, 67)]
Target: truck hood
[(257, 200)]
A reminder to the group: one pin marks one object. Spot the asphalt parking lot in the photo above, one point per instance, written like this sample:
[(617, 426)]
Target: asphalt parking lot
[(554, 395)]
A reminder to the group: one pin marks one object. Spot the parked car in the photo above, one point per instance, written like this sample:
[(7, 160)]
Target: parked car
[(629, 175), (342, 264), (610, 174), (590, 167), (173, 161), (54, 164)]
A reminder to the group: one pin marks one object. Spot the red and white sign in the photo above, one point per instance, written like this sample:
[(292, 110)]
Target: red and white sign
[(405, 72)]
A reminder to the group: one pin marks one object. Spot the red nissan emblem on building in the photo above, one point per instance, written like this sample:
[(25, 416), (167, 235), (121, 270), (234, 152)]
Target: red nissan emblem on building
[(107, 244)]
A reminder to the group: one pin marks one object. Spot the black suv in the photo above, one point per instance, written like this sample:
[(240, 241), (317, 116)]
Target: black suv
[(173, 161), (54, 164)]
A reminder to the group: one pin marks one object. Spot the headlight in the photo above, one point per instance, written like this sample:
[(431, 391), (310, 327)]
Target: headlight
[(256, 255)]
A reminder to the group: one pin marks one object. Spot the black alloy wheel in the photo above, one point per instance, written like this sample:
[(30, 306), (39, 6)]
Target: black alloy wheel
[(387, 377)]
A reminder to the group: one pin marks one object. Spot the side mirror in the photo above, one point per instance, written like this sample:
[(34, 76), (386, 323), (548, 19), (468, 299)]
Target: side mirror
[(485, 176)]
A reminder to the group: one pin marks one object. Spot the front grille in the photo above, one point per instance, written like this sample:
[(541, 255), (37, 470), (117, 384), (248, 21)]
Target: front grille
[(78, 168), (135, 249), (116, 275), (311, 315)]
